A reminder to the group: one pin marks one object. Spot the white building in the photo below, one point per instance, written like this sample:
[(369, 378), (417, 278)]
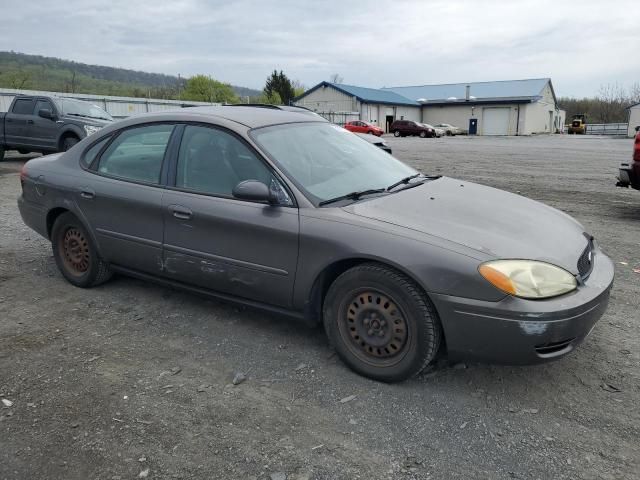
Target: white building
[(512, 107), (634, 119)]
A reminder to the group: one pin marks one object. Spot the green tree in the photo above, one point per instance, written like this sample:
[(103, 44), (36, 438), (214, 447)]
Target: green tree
[(298, 88), (203, 88), (279, 83)]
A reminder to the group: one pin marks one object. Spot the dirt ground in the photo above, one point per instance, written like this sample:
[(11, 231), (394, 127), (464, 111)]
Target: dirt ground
[(130, 380)]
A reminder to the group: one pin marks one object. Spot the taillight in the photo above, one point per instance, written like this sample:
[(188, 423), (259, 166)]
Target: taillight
[(636, 148), (23, 174)]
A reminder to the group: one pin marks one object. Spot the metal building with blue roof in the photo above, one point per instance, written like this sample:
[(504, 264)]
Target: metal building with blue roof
[(508, 107)]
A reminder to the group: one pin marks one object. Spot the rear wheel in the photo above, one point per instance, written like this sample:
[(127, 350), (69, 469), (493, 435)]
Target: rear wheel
[(75, 253), (381, 323), (22, 151), (69, 142), (396, 133)]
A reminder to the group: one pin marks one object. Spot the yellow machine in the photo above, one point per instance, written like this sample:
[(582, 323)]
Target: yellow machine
[(578, 124)]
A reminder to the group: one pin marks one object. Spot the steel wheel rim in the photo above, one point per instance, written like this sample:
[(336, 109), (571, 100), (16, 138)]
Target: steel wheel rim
[(74, 250), (374, 327)]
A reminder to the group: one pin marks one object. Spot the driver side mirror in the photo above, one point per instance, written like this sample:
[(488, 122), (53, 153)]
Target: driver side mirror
[(638, 128), (255, 191), (46, 113)]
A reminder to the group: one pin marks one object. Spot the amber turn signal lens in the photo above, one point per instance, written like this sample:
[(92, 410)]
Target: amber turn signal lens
[(497, 279)]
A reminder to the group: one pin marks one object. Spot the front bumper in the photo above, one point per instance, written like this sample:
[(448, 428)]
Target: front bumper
[(517, 331)]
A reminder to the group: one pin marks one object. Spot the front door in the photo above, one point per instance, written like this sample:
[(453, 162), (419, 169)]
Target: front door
[(43, 131), (212, 240), (122, 197)]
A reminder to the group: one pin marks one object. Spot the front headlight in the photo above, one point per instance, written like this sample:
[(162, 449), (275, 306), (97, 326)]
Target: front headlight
[(528, 278), (91, 129)]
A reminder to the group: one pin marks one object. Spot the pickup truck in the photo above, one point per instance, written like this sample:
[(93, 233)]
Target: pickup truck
[(629, 173), (48, 124)]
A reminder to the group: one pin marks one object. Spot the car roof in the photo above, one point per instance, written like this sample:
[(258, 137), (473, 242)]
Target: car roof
[(255, 115)]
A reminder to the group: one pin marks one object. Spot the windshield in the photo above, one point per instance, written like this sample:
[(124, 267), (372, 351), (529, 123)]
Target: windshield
[(83, 109), (326, 161)]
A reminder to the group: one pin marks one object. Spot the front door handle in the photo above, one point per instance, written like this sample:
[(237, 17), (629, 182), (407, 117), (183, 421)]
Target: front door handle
[(30, 122), (87, 193), (183, 213)]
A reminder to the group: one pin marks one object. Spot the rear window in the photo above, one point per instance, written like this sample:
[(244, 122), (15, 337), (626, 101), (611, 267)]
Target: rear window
[(23, 106)]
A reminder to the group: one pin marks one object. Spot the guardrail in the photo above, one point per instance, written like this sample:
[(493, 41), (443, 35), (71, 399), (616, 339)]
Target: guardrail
[(607, 129)]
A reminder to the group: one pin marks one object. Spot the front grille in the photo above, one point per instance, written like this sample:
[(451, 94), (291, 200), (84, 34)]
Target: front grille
[(585, 262)]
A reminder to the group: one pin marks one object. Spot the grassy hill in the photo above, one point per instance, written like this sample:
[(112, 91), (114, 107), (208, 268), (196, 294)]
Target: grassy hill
[(34, 72)]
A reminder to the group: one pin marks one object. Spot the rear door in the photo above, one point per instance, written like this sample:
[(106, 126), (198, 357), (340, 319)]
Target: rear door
[(43, 132), (122, 196), (16, 121), (213, 240)]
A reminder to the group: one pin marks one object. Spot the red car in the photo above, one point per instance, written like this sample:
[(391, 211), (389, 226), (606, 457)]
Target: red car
[(363, 127), (629, 173)]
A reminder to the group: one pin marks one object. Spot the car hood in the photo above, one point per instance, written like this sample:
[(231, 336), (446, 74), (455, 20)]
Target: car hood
[(96, 122), (498, 223)]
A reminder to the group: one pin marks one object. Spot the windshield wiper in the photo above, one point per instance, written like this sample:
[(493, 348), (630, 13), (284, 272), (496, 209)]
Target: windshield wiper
[(78, 115), (406, 180), (352, 196)]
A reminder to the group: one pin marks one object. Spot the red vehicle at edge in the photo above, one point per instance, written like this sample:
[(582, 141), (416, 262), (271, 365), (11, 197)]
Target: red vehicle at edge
[(363, 127), (629, 173)]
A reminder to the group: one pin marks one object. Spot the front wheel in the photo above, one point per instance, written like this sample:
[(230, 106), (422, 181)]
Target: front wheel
[(68, 143), (396, 133), (1, 153), (423, 134), (75, 253), (381, 323)]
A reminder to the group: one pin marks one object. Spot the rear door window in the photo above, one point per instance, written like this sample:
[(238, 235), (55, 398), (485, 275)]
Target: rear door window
[(23, 106), (137, 154)]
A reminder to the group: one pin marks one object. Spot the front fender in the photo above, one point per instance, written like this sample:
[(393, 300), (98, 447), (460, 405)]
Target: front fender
[(436, 268), (70, 129)]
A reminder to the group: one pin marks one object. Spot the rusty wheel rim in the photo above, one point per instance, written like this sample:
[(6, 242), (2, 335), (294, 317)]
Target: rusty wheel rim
[(75, 251), (375, 327)]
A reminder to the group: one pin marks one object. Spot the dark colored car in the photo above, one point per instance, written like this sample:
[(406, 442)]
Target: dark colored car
[(282, 210), (377, 141), (403, 128), (363, 127), (629, 173), (48, 124)]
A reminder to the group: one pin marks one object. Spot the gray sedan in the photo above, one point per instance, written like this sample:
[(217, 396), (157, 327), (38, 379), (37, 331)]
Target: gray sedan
[(282, 210)]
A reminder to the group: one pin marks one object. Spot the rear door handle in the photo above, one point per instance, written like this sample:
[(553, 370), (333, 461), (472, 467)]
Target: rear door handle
[(87, 193), (183, 213)]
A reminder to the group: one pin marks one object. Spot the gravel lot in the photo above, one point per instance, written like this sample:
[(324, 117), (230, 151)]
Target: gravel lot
[(130, 380)]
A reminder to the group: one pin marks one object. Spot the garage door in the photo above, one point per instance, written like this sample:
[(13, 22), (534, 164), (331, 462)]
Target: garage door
[(495, 121)]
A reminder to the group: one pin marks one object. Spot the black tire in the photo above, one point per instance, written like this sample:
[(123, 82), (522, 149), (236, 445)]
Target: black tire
[(423, 134), (1, 153), (449, 133), (370, 132), (22, 151), (366, 299), (75, 253), (396, 133), (69, 142)]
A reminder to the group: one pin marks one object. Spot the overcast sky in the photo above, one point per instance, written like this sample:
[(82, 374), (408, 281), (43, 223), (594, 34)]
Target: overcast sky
[(579, 44)]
